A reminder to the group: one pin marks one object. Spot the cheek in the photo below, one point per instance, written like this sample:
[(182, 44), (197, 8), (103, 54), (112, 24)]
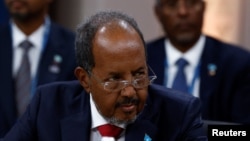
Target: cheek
[(142, 96), (105, 102), (168, 23), (108, 106)]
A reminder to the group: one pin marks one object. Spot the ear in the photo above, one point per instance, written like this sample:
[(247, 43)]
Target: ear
[(83, 78)]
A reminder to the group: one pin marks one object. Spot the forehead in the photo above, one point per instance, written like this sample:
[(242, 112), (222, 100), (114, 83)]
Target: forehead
[(117, 41), (117, 34), (115, 28)]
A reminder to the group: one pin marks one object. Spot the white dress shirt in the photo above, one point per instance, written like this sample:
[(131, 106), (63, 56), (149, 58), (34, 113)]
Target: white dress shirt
[(192, 56), (98, 120), (36, 38)]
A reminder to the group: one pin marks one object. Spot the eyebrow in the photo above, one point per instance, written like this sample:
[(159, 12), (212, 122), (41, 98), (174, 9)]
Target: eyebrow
[(133, 71)]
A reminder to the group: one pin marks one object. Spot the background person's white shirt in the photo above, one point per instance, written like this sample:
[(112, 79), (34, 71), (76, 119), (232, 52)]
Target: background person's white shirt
[(36, 38)]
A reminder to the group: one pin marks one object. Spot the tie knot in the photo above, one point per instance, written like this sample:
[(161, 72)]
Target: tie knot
[(108, 130), (181, 63), (26, 45)]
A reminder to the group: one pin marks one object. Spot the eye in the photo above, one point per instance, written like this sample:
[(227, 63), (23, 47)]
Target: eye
[(170, 3), (114, 78), (139, 74)]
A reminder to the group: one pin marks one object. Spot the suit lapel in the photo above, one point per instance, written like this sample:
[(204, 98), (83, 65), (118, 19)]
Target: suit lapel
[(143, 129), (162, 62), (140, 130), (49, 69), (209, 80), (76, 127), (7, 85), (157, 54)]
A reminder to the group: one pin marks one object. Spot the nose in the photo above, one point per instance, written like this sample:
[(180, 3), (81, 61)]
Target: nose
[(128, 90), (182, 8)]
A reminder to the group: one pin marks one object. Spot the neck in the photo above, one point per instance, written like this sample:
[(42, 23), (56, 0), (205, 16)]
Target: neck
[(183, 47), (28, 26)]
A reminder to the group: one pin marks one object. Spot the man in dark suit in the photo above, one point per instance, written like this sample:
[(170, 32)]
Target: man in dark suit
[(51, 56), (113, 88), (218, 73)]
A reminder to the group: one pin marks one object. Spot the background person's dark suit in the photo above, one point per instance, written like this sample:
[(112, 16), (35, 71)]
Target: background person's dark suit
[(62, 112), (60, 42), (225, 96)]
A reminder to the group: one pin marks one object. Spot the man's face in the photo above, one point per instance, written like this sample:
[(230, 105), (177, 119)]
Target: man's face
[(25, 9), (119, 55), (181, 19)]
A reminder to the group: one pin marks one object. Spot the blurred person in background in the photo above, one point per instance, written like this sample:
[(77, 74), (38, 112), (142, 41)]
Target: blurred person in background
[(50, 56), (216, 72)]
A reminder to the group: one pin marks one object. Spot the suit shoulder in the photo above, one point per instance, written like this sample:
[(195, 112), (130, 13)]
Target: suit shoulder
[(60, 88), (225, 47), (155, 42), (63, 31), (63, 98), (171, 103), (170, 95)]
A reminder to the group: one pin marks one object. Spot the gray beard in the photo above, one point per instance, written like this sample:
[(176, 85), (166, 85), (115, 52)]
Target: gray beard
[(116, 121)]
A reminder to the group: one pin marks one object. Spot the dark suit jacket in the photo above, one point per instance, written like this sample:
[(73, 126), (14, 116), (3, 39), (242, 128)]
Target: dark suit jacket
[(60, 42), (61, 111), (224, 96)]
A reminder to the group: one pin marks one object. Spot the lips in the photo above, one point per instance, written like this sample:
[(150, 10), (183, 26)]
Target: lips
[(128, 107), (185, 26)]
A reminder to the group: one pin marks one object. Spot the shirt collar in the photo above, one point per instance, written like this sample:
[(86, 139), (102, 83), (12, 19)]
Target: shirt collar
[(192, 55), (36, 38), (97, 118), (17, 35)]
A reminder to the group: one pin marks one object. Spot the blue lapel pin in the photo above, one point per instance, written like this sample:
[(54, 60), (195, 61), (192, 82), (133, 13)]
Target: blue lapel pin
[(147, 138), (55, 66), (212, 68)]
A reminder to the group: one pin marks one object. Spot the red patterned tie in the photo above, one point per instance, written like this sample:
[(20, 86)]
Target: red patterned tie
[(108, 130)]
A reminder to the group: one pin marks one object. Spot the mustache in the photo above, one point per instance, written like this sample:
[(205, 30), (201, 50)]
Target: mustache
[(184, 23), (128, 101)]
